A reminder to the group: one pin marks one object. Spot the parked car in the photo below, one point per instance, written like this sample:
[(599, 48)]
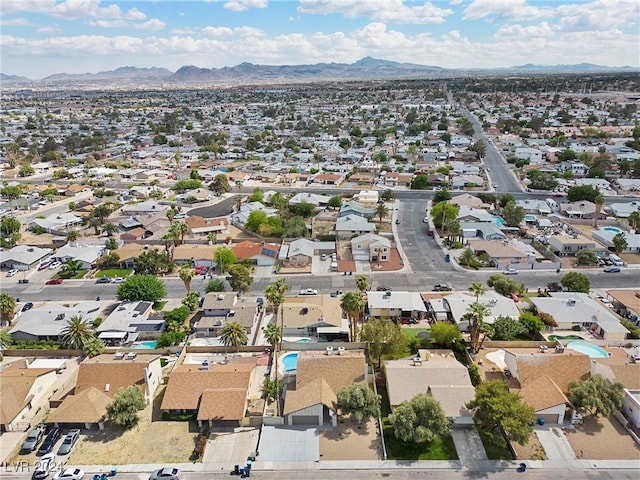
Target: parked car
[(612, 270), (383, 288), (69, 474), (49, 441), (27, 306), (32, 440), (425, 220), (308, 291), (200, 269), (118, 280), (69, 441), (441, 287), (44, 265), (514, 297), (104, 280), (54, 281), (166, 473), (54, 265), (510, 271), (12, 272), (45, 466)]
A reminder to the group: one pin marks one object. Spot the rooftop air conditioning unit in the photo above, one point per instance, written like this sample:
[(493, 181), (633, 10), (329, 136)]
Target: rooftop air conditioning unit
[(417, 361), (118, 356), (220, 297), (329, 350), (131, 355), (204, 365), (341, 350)]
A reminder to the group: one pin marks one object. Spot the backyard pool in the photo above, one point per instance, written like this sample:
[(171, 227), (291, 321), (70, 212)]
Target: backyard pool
[(587, 348), (553, 338), (498, 220), (612, 229), (147, 344), (298, 340), (289, 361)]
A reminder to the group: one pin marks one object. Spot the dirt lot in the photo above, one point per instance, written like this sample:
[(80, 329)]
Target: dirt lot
[(631, 258), (149, 442), (533, 450), (350, 441), (602, 438)]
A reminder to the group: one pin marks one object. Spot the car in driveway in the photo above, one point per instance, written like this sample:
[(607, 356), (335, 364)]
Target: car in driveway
[(383, 288), (49, 441), (166, 473), (201, 269), (45, 466), (612, 270), (12, 272), (308, 291), (44, 265), (55, 265), (118, 280), (441, 287), (510, 271), (32, 440), (69, 441), (104, 280), (54, 281), (27, 306), (69, 474)]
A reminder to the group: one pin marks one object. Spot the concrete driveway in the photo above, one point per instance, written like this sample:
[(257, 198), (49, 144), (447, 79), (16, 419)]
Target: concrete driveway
[(290, 444), (228, 448), (554, 442), (468, 445)]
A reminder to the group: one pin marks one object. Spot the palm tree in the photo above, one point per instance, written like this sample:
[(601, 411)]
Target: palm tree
[(178, 230), (352, 304), (274, 297), (476, 314), (7, 307), (95, 223), (186, 274), (634, 220), (110, 229), (362, 283), (77, 333), (72, 235), (101, 212), (477, 288), (598, 201), (212, 237), (72, 267), (233, 335), (5, 339), (94, 347), (273, 335), (171, 213), (381, 212)]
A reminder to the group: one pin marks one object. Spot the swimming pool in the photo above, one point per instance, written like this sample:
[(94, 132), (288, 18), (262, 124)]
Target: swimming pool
[(289, 361), (147, 344), (498, 220), (612, 229), (587, 348), (299, 340)]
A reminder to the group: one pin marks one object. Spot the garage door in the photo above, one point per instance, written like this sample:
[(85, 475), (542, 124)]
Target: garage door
[(548, 418), (304, 420)]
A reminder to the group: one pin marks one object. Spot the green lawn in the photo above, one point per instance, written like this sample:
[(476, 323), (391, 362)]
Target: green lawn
[(495, 445), (442, 447), (114, 272), (64, 275), (413, 332)]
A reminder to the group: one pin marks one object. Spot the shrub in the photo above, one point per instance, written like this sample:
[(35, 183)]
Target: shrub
[(576, 328)]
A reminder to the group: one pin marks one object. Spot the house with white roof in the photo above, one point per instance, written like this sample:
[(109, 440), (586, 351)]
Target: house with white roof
[(457, 304), (605, 237), (129, 321), (533, 155), (462, 181), (351, 225), (300, 252), (48, 322), (23, 257), (241, 217), (149, 206), (468, 214), (396, 305), (57, 223), (623, 210), (534, 206), (309, 197), (85, 254), (629, 184)]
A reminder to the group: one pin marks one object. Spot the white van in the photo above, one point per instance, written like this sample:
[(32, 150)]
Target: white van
[(616, 260), (334, 266)]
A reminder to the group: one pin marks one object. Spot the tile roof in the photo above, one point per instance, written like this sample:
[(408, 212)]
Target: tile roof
[(15, 385), (104, 369), (453, 398), (249, 249), (88, 406)]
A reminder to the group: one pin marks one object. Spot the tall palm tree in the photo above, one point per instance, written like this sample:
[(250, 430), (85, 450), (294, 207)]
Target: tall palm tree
[(598, 201), (110, 229), (77, 332), (477, 288), (186, 274), (381, 212), (178, 230), (476, 314), (634, 220), (72, 235), (274, 297), (7, 307), (95, 223), (233, 335), (362, 283), (352, 305), (273, 335)]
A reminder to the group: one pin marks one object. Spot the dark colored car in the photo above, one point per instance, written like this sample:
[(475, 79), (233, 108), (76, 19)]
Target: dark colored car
[(27, 306), (50, 441), (441, 287), (32, 440), (54, 281), (104, 280), (383, 288)]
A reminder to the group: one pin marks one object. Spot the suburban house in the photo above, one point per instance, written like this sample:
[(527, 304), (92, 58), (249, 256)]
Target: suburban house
[(259, 253), (462, 181), (48, 321), (200, 226), (87, 255), (21, 389), (605, 236), (130, 251), (215, 393), (569, 245), (194, 254), (241, 217), (199, 194), (543, 379), (456, 305), (56, 223), (220, 308), (503, 253), (356, 208), (300, 252), (574, 308), (128, 322), (581, 209), (396, 305), (627, 302), (308, 197), (328, 178), (319, 376), (484, 230), (23, 257), (317, 316), (99, 379), (623, 209), (367, 198), (371, 248), (148, 206), (470, 201), (434, 372), (478, 215), (533, 206), (351, 225), (621, 370), (533, 155)]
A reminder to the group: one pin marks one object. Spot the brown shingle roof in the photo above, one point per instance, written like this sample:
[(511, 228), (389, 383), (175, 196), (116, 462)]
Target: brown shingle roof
[(542, 393), (318, 391), (15, 385), (338, 370), (104, 369), (223, 404), (88, 406)]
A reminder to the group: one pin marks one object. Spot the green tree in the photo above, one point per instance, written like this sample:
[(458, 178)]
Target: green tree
[(419, 182), (445, 334), (77, 332), (419, 420), (215, 285), (634, 221), (383, 337), (503, 284), (273, 335), (141, 287), (352, 305), (220, 184), (271, 389), (302, 209), (153, 262), (257, 196), (387, 195), (224, 257), (178, 230), (5, 340), (359, 402), (334, 202), (191, 300), (255, 220), (182, 186), (93, 347), (233, 335), (381, 212), (125, 405), (620, 243), (26, 171), (362, 284), (576, 282), (587, 257), (582, 192), (9, 225), (443, 212), (507, 328), (443, 195), (477, 288), (110, 229), (467, 257), (512, 214), (186, 273), (111, 244), (597, 396), (72, 267), (240, 278), (531, 322), (475, 315), (7, 308), (498, 408)]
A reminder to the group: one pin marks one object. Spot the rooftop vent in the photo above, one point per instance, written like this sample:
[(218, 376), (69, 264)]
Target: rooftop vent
[(571, 302), (107, 387), (204, 365), (118, 356), (220, 297)]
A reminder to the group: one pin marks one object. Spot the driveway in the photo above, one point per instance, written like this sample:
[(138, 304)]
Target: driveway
[(468, 445), (228, 448), (290, 444), (555, 443)]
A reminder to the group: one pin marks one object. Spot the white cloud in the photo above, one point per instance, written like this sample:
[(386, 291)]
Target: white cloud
[(510, 9), (392, 11), (510, 32), (242, 5), (249, 32), (216, 32), (16, 22), (135, 14), (599, 14), (50, 29), (71, 9), (153, 25)]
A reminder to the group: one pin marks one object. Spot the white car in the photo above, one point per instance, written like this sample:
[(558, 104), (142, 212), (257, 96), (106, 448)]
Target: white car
[(45, 466), (117, 280), (12, 272), (510, 271), (166, 473), (69, 474), (308, 291), (54, 265)]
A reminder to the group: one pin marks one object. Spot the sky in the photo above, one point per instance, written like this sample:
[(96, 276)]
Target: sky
[(43, 37)]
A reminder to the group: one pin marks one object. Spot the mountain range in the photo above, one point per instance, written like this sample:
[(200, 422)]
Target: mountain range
[(367, 68)]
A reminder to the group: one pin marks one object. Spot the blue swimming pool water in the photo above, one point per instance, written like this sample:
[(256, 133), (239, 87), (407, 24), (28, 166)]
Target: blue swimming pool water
[(149, 344), (290, 361), (498, 220), (587, 348), (612, 229)]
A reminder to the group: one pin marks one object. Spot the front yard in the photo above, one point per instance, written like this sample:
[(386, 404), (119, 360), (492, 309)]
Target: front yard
[(113, 272)]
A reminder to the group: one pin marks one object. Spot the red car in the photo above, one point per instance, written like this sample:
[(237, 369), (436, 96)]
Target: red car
[(54, 281), (200, 269)]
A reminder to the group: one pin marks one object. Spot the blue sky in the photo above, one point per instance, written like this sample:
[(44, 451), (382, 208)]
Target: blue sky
[(42, 37)]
